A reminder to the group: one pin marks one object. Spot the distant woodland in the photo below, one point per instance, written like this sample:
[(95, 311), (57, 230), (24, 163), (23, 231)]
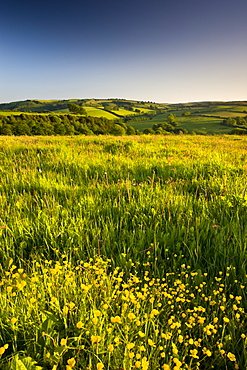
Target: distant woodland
[(62, 125)]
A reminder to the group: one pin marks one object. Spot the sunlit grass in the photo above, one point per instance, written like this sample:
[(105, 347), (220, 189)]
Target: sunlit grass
[(123, 253), (97, 112), (226, 114)]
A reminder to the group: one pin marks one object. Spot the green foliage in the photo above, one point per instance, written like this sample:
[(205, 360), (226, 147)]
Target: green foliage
[(61, 125), (6, 129), (22, 363), (118, 130), (229, 122), (171, 119), (239, 131), (76, 109), (148, 131), (235, 122)]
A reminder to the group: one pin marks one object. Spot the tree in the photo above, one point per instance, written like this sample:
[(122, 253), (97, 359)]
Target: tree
[(69, 129), (20, 129), (229, 122), (76, 109), (47, 128), (171, 119), (117, 130), (149, 131), (238, 131), (6, 130), (59, 128), (130, 130), (163, 126), (241, 121)]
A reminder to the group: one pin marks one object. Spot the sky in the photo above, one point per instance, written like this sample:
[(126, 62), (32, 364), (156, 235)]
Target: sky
[(153, 50)]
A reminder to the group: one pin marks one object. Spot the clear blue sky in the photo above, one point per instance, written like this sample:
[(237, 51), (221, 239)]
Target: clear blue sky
[(157, 50)]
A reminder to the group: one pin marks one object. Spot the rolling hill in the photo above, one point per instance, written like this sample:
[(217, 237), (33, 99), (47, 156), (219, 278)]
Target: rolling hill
[(196, 117)]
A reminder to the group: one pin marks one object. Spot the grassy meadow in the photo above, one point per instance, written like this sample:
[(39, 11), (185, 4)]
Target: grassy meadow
[(123, 253)]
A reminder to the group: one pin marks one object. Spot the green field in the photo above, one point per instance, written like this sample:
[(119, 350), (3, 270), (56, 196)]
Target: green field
[(123, 253), (95, 112), (124, 112), (11, 113), (199, 124), (226, 114)]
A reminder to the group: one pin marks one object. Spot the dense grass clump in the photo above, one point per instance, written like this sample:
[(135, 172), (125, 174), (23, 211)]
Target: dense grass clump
[(123, 252)]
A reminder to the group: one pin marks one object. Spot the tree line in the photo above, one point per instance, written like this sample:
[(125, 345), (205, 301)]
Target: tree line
[(41, 124)]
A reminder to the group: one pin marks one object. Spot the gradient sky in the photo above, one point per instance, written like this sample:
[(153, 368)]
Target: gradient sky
[(156, 50)]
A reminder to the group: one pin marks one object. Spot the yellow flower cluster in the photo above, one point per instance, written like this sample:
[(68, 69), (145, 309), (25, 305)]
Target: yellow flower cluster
[(126, 320)]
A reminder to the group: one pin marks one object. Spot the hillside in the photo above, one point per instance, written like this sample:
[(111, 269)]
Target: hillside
[(147, 117)]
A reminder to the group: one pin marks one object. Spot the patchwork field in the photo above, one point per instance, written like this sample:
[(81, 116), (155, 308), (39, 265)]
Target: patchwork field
[(198, 117), (123, 253), (199, 124)]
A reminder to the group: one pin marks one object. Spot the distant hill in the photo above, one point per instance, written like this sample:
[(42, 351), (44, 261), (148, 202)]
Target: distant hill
[(197, 117), (44, 106)]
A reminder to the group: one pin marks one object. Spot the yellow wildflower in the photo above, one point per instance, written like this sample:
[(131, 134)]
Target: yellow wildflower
[(193, 353), (95, 339), (97, 313), (79, 325), (65, 310), (130, 345), (142, 348), (110, 348), (153, 313), (231, 356), (166, 367), (63, 342), (138, 364), (3, 349), (145, 363), (71, 362), (207, 352), (131, 316), (141, 334), (151, 343), (116, 319), (94, 320), (71, 305)]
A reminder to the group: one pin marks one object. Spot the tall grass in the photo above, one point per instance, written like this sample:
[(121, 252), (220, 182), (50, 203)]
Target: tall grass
[(120, 196), (154, 203)]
